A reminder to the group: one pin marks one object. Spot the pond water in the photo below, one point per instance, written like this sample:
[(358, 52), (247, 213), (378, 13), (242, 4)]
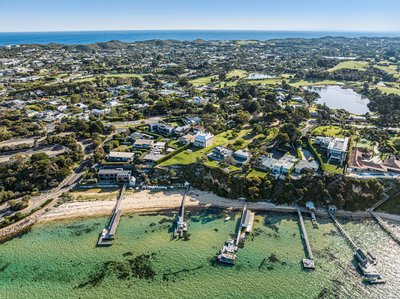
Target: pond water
[(336, 97), (60, 260)]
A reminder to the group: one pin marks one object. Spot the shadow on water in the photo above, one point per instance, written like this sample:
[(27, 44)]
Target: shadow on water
[(206, 215)]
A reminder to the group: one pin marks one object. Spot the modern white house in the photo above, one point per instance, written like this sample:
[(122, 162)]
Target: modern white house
[(336, 148), (280, 166), (116, 176), (304, 164), (143, 144), (203, 140), (120, 156)]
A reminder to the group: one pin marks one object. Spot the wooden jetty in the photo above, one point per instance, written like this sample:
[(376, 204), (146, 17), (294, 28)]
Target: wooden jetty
[(308, 262), (107, 235), (366, 261), (181, 226), (385, 226), (245, 225)]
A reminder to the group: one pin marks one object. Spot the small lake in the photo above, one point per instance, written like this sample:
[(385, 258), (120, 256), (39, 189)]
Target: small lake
[(336, 97)]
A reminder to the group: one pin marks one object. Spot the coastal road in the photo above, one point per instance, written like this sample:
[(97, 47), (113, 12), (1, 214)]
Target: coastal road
[(69, 183)]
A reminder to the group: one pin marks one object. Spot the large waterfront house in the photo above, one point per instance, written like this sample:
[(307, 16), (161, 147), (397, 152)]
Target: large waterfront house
[(306, 164), (143, 144), (219, 153), (281, 166), (116, 176), (203, 140), (364, 162), (120, 157), (335, 148)]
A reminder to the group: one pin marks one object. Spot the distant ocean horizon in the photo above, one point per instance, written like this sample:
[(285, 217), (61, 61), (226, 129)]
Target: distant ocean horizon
[(90, 37)]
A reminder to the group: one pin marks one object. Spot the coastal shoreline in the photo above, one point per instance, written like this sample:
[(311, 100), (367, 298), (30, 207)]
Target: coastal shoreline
[(147, 201)]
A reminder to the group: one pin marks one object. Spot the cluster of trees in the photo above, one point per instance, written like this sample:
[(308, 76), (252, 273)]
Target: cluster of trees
[(27, 175), (347, 193), (81, 128), (14, 124)]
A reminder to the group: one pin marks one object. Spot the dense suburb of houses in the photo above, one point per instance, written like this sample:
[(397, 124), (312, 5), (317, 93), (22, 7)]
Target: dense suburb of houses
[(146, 136)]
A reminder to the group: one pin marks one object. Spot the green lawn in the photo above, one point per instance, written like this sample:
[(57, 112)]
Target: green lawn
[(125, 75), (203, 80), (311, 83), (236, 73), (329, 131), (389, 88), (332, 168), (364, 143), (351, 64), (257, 174), (269, 81)]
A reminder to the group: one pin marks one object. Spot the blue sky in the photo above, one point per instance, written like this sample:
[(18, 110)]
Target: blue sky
[(334, 15)]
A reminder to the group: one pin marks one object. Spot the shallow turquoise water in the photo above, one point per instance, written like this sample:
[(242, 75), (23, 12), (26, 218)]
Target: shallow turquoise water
[(60, 260)]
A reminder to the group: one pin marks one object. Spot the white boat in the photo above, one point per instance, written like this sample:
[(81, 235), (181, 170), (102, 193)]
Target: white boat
[(227, 218)]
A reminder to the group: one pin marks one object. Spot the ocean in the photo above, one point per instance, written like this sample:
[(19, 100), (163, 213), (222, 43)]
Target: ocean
[(60, 260), (89, 37)]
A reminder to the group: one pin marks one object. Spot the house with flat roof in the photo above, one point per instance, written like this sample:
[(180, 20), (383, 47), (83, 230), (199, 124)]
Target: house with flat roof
[(116, 176), (281, 166), (219, 153), (143, 144), (335, 148), (161, 128), (120, 157), (305, 164), (203, 140)]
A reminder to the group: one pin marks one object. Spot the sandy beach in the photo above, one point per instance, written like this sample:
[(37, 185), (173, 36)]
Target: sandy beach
[(150, 201)]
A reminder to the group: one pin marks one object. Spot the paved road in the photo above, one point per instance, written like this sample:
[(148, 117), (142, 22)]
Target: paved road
[(49, 150)]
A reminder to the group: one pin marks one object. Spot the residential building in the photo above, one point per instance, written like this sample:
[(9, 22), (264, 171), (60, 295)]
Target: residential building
[(203, 140), (281, 166), (120, 157), (186, 139), (219, 153), (161, 128), (304, 164), (364, 162), (115, 176), (143, 144), (336, 148), (182, 130)]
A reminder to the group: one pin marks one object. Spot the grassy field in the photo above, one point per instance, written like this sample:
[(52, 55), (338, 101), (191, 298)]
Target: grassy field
[(311, 83), (389, 88), (236, 73), (257, 174), (126, 75), (389, 68), (364, 143), (202, 80), (329, 131), (332, 168), (269, 81), (352, 65)]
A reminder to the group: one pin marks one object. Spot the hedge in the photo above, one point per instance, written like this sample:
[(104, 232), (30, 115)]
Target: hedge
[(316, 154)]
